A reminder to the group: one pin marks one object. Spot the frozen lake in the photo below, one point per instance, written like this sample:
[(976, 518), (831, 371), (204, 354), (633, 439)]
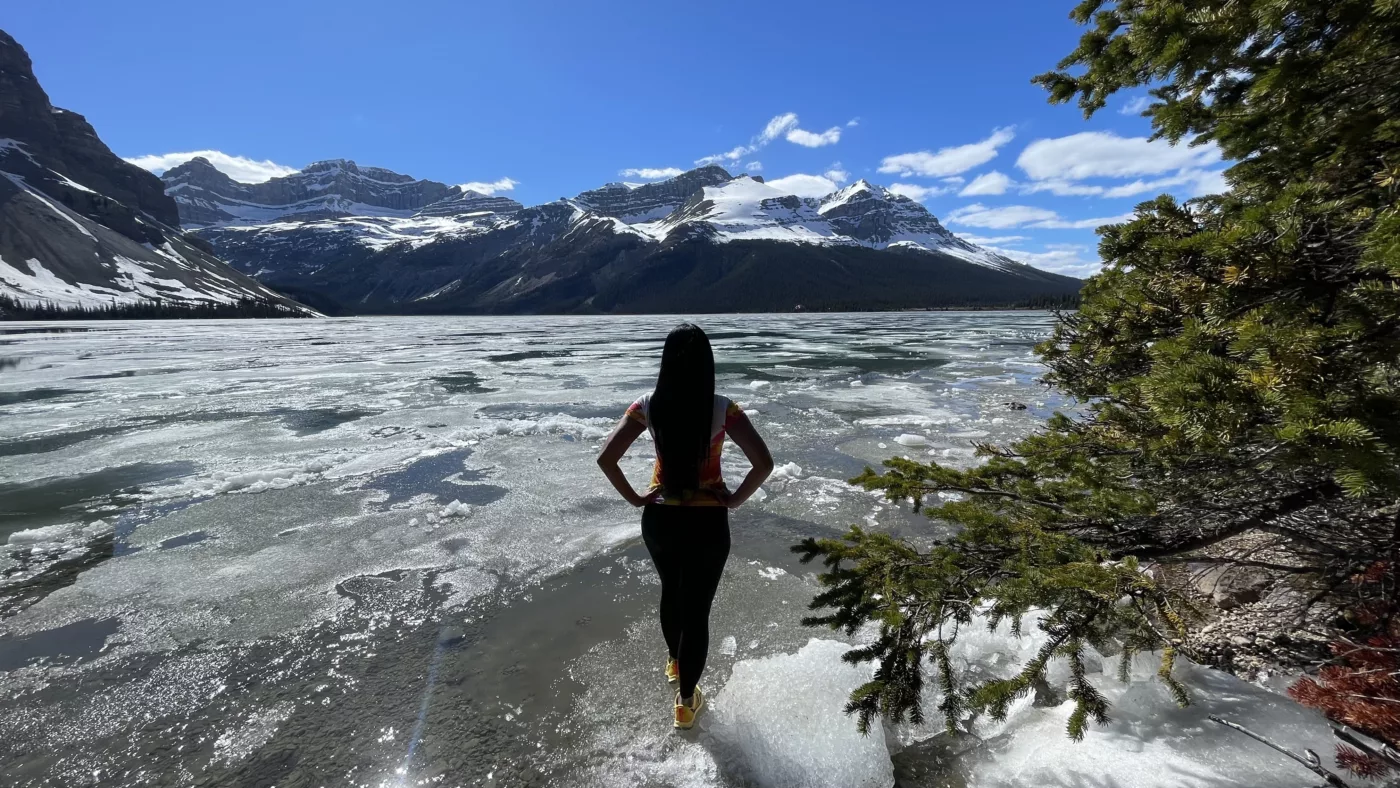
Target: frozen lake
[(378, 552)]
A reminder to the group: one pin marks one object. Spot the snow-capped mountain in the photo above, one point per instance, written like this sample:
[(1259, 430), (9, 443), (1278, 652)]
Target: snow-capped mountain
[(326, 189), (81, 227), (731, 244), (877, 217), (862, 214)]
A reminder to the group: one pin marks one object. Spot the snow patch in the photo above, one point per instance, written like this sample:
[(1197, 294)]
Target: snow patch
[(788, 470), (764, 735)]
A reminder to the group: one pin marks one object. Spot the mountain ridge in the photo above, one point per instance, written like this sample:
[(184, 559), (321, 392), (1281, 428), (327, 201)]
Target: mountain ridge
[(740, 245), (325, 189)]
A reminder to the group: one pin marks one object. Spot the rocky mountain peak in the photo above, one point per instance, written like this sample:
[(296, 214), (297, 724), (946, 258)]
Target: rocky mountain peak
[(465, 202), (648, 202), (60, 142), (81, 227), (198, 170)]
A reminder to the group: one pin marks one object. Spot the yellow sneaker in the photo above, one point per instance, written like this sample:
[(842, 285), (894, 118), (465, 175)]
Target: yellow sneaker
[(673, 670), (685, 715)]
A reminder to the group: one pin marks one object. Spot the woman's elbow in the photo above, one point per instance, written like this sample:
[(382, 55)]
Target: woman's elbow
[(765, 465)]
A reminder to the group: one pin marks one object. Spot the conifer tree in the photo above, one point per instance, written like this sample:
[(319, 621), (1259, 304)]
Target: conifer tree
[(1237, 365)]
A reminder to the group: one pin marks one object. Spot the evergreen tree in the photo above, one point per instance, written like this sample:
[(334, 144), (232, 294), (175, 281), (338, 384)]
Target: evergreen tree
[(1236, 360), (15, 309)]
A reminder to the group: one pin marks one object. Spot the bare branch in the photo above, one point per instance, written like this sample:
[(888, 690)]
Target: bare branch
[(1308, 759)]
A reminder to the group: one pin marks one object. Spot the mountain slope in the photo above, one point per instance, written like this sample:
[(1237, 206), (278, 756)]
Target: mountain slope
[(81, 227)]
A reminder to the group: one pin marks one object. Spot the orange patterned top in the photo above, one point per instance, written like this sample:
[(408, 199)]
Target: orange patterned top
[(711, 480)]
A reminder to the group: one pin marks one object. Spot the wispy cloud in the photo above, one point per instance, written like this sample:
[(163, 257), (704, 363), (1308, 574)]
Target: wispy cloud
[(754, 166), (999, 218), (1082, 224), (1067, 259), (777, 127), (916, 192), (491, 187), (651, 173), (853, 122), (1102, 154), (239, 168), (1135, 105), (1062, 188), (784, 126), (1200, 181), (731, 156), (812, 139), (983, 240), (1078, 166), (987, 183), (1007, 216), (837, 173), (948, 161)]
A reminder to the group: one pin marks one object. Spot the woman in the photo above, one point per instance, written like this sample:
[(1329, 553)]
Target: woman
[(685, 522)]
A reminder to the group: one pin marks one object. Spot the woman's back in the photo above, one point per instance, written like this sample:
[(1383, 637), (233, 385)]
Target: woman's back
[(724, 413)]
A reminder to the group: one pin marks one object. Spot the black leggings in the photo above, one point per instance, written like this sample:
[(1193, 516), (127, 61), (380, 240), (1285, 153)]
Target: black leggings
[(689, 545)]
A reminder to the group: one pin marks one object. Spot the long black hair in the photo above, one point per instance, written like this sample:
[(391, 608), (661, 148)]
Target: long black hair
[(682, 407)]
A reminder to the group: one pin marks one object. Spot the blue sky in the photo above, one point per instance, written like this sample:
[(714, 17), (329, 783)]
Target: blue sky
[(540, 100)]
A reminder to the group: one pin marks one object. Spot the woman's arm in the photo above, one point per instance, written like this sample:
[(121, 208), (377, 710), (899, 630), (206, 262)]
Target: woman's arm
[(614, 446), (748, 439)]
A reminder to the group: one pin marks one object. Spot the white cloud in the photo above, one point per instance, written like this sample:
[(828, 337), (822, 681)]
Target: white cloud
[(804, 185), (1082, 224), (731, 156), (956, 180), (239, 168), (916, 192), (1062, 188), (1212, 182), (784, 125), (1135, 105), (502, 185), (777, 126), (1101, 154), (811, 139), (987, 183), (948, 161), (979, 215), (754, 166), (1008, 216), (837, 174), (853, 122), (1200, 181), (651, 173)]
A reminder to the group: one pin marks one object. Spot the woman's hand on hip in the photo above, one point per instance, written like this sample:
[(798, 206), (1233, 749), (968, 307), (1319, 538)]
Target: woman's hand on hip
[(652, 495)]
